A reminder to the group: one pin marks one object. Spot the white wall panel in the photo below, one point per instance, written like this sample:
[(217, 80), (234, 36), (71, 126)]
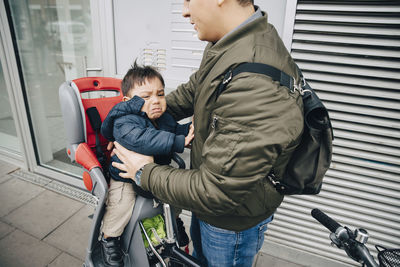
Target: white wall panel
[(154, 32), (349, 52)]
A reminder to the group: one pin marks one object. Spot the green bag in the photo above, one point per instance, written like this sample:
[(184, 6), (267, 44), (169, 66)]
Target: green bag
[(155, 230)]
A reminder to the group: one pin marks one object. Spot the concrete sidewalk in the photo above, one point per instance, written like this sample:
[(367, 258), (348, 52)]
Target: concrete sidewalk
[(46, 223), (39, 227)]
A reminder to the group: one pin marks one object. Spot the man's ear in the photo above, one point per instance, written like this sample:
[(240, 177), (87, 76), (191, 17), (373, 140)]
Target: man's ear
[(125, 98)]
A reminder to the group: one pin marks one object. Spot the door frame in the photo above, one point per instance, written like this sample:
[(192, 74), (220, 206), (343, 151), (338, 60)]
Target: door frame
[(103, 32)]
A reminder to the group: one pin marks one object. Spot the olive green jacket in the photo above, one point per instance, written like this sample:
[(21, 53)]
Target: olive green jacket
[(255, 124)]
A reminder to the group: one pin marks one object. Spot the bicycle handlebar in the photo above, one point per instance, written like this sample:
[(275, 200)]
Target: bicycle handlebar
[(345, 239), (325, 220)]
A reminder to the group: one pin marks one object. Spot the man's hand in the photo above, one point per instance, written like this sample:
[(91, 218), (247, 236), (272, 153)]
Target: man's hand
[(132, 161), (190, 136)]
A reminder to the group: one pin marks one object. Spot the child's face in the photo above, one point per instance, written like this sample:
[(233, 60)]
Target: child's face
[(152, 91)]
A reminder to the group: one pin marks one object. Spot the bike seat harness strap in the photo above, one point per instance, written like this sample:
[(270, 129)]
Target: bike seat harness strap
[(95, 122)]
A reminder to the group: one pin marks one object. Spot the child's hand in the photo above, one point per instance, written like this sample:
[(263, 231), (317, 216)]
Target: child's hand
[(189, 137), (110, 147)]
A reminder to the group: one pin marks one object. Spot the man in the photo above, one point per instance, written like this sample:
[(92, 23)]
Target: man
[(253, 126)]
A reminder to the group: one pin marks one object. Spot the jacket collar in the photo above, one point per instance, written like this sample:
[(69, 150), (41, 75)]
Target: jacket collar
[(257, 14), (229, 40)]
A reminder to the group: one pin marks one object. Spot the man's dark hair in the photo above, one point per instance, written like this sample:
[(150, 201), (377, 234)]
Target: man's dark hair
[(246, 2), (137, 75)]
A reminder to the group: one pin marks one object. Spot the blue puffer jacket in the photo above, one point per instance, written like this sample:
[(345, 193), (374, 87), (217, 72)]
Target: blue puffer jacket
[(131, 127)]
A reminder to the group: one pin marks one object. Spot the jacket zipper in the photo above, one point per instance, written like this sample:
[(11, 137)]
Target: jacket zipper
[(214, 122)]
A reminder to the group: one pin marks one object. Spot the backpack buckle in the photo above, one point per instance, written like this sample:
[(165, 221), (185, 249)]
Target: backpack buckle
[(303, 82), (227, 77), (298, 87), (272, 178), (275, 183)]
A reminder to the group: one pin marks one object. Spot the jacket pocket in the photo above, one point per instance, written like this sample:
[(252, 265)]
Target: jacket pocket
[(221, 151)]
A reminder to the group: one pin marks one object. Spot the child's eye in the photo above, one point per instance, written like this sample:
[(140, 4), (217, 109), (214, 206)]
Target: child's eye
[(145, 96), (161, 94)]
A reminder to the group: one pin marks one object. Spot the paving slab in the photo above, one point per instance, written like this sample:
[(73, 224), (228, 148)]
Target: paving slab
[(44, 213), (65, 260), (5, 229), (19, 249), (270, 261), (16, 192), (6, 168), (73, 235)]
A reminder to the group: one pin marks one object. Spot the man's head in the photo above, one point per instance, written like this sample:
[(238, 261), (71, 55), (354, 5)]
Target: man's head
[(212, 19), (147, 83)]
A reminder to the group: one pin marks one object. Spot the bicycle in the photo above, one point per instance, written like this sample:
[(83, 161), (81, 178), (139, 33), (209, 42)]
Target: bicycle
[(353, 243)]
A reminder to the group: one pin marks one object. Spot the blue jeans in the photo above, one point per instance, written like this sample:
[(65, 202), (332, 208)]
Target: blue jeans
[(218, 247)]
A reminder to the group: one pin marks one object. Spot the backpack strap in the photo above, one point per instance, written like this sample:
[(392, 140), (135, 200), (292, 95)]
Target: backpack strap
[(276, 75), (260, 68), (301, 176)]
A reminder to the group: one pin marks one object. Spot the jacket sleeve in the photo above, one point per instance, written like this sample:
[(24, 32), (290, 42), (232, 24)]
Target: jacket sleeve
[(238, 152), (182, 129), (133, 106), (106, 129), (133, 134), (180, 102), (167, 123)]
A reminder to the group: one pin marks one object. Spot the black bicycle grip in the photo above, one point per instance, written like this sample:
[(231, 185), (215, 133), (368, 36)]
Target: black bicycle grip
[(325, 220), (181, 163)]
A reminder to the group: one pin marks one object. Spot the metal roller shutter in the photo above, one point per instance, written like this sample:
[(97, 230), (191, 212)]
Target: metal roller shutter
[(349, 52)]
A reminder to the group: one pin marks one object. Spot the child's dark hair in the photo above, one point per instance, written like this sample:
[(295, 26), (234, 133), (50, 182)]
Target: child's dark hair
[(137, 75), (246, 2)]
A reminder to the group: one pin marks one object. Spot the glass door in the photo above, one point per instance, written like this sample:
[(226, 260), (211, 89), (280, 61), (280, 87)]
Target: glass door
[(54, 42), (8, 132)]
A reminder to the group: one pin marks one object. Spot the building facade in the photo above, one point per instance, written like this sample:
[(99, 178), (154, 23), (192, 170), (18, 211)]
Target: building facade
[(348, 50)]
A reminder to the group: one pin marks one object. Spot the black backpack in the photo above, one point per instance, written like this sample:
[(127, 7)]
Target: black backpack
[(312, 157)]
